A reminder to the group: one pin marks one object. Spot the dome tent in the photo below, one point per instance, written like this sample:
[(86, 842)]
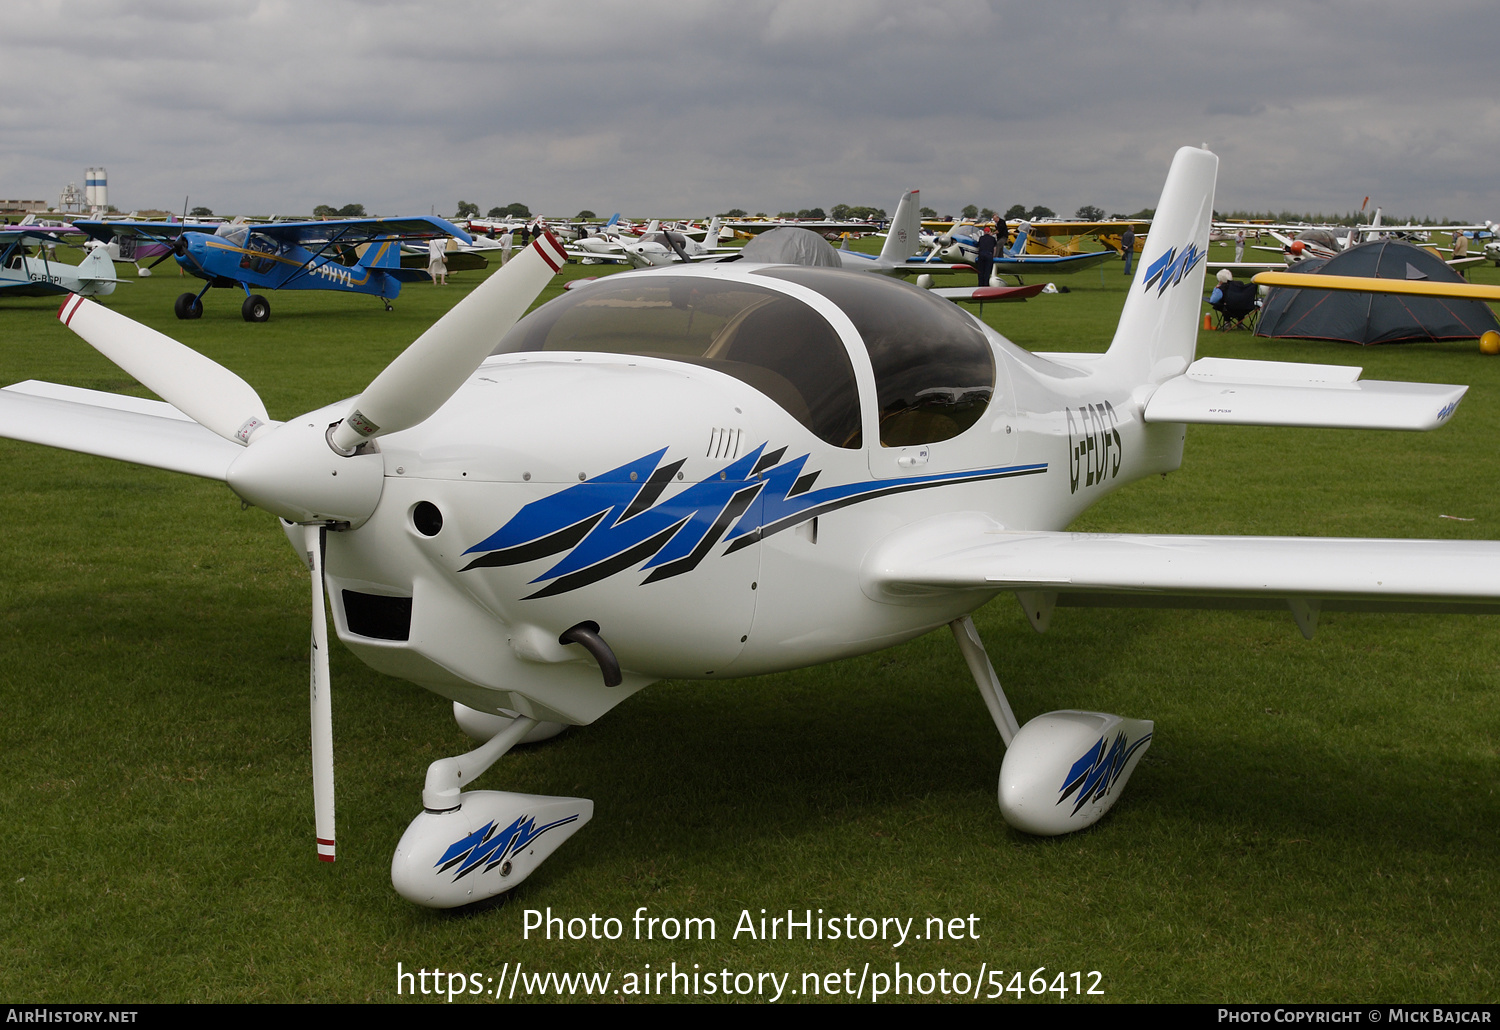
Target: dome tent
[(1369, 318)]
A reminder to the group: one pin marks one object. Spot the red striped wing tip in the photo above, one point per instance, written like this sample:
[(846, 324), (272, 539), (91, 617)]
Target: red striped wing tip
[(69, 306), (551, 251)]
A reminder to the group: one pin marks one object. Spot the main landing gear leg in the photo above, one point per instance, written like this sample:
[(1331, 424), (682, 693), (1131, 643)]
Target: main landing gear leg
[(1062, 771), (466, 846), (984, 677)]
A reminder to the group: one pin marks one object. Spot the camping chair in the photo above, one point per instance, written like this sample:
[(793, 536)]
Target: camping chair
[(1238, 307)]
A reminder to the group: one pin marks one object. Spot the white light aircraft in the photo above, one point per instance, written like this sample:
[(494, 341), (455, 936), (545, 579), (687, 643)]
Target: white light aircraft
[(654, 249), (723, 470)]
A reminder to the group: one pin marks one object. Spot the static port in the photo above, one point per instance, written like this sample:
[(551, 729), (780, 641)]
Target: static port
[(426, 517)]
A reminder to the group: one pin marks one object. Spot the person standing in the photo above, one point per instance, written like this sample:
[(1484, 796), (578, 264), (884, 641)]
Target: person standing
[(1461, 249), (507, 240), (1002, 236), (1239, 246), (1127, 246), (437, 262), (986, 260)]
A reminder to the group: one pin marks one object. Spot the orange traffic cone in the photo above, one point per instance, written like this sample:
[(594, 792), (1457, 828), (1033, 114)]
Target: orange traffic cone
[(1208, 322)]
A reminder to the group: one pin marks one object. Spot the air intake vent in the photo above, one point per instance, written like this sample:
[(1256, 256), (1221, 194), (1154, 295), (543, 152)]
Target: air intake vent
[(724, 443), (372, 615)]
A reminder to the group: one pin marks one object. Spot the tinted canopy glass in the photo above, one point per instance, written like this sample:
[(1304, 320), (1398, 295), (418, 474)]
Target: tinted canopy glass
[(772, 342), (934, 370)]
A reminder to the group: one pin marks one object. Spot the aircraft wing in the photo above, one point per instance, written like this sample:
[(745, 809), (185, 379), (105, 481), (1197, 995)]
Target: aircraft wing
[(114, 426), (985, 294), (152, 232), (1243, 269), (966, 551), (1369, 284), (1047, 229), (915, 266), (355, 231), (11, 234), (1047, 264), (593, 255)]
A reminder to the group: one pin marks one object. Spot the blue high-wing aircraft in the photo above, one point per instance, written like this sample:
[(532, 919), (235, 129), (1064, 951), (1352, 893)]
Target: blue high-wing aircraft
[(358, 255)]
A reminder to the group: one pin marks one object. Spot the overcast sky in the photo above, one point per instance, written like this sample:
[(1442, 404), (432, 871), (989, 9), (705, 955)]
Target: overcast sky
[(676, 107)]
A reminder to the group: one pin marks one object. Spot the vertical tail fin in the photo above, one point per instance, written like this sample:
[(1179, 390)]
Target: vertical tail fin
[(381, 253), (904, 238), (1158, 332), (1023, 233), (96, 274)]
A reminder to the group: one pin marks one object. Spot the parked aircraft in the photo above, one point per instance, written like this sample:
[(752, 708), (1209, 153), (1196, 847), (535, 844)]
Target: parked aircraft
[(26, 275), (726, 469), (320, 255), (127, 247), (657, 247), (961, 244)]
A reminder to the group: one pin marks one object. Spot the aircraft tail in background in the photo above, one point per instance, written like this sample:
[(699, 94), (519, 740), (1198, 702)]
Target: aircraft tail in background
[(904, 237)]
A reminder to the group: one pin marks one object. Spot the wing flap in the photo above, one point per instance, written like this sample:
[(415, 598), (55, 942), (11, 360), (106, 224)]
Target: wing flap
[(111, 426), (1226, 391)]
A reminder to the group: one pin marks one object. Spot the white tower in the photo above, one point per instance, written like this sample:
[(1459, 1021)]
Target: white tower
[(95, 192)]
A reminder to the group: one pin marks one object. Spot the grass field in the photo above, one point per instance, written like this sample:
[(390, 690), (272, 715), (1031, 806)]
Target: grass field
[(1315, 820)]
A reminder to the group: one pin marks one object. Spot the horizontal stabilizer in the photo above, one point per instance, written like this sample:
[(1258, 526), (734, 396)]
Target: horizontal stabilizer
[(1236, 392), (109, 425)]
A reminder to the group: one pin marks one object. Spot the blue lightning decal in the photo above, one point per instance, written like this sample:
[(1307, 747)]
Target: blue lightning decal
[(1169, 269), (1095, 774), (616, 521), (488, 848)]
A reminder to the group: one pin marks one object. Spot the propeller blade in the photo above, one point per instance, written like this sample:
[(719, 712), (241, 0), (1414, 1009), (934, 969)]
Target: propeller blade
[(427, 373), (677, 247), (196, 385), (322, 703), (177, 249)]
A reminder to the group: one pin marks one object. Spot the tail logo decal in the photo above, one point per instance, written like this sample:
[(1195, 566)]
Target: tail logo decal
[(1169, 269)]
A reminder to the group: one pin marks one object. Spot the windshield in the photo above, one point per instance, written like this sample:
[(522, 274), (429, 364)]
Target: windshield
[(770, 341)]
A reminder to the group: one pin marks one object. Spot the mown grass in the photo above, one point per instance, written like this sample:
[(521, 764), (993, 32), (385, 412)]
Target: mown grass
[(1315, 820)]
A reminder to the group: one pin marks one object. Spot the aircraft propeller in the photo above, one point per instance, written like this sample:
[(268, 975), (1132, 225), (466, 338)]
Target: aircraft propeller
[(178, 248), (667, 235), (307, 471)]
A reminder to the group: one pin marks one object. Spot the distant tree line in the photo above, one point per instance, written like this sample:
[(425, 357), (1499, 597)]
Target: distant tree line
[(347, 211), (1352, 218)]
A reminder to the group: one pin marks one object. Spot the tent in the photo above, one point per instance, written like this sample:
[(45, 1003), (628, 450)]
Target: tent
[(1369, 318)]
